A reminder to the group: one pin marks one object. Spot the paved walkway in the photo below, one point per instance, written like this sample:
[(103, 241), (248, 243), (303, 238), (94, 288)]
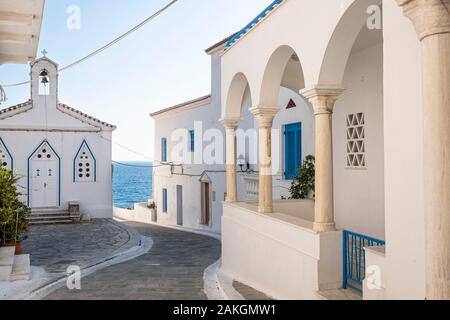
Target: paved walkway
[(249, 293), (172, 270), (55, 247)]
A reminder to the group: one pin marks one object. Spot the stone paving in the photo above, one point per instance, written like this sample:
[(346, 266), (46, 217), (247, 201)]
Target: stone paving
[(172, 270), (249, 293), (55, 247)]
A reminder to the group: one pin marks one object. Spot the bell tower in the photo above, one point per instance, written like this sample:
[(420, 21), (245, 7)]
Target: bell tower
[(44, 82)]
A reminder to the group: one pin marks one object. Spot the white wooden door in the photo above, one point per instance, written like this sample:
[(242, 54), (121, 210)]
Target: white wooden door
[(44, 174)]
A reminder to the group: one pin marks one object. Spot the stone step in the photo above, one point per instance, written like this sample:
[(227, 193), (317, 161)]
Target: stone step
[(49, 217), (338, 295), (6, 262), (21, 268), (7, 256), (41, 222), (48, 213), (52, 216), (48, 209)]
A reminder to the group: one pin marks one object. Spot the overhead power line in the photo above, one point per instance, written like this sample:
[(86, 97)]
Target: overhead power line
[(106, 46), (135, 165), (133, 151)]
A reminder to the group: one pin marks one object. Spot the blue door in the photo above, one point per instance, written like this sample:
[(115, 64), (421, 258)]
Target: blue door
[(292, 149)]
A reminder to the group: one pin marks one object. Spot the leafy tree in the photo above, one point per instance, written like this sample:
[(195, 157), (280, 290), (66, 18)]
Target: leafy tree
[(304, 183), (13, 213)]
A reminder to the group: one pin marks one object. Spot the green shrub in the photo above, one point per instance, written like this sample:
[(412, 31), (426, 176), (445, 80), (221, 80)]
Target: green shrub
[(13, 213), (304, 183)]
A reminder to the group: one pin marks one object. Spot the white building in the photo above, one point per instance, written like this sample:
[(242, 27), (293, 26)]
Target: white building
[(61, 154), (20, 29), (376, 73), (189, 192)]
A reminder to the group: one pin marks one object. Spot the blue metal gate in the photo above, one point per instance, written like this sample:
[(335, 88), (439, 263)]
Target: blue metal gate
[(355, 260)]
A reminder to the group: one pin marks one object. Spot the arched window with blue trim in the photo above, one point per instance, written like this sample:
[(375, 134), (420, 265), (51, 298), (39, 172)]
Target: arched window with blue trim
[(84, 164), (6, 159)]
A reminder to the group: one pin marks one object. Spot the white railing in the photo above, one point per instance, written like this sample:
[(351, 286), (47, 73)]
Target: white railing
[(251, 184)]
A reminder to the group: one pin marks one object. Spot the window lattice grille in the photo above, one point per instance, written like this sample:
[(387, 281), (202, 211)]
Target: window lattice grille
[(84, 166), (356, 145)]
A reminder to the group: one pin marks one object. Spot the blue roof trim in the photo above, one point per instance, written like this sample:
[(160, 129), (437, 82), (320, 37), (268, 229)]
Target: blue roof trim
[(253, 23)]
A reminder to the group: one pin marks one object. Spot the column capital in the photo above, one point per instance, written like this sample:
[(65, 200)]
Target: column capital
[(322, 97), (230, 123), (429, 17), (265, 115)]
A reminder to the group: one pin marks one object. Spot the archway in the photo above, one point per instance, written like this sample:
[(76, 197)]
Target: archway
[(283, 69), (342, 41)]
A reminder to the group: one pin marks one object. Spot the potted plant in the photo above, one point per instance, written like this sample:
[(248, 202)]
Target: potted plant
[(152, 206), (13, 213), (303, 185)]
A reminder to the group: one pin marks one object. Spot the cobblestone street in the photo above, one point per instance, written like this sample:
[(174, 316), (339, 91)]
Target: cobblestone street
[(55, 247), (172, 270)]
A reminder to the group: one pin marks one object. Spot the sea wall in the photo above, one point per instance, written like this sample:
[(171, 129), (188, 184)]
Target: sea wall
[(140, 213)]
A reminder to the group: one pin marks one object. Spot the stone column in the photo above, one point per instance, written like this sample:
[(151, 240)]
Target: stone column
[(322, 100), (431, 19), (230, 125), (265, 118)]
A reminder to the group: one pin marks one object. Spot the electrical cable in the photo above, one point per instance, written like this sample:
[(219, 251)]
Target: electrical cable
[(135, 166)]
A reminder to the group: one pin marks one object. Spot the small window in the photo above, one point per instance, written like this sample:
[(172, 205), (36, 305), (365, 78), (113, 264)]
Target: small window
[(292, 149), (164, 149), (84, 164), (291, 104), (44, 83), (356, 145), (164, 200), (191, 141)]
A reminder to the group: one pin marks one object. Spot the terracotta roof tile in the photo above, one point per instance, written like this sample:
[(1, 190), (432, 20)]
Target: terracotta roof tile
[(84, 115), (15, 107)]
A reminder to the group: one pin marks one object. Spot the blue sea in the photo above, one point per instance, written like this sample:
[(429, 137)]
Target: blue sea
[(132, 183)]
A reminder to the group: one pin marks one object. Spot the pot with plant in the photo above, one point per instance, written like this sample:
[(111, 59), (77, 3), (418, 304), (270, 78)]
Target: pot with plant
[(152, 206), (13, 213), (303, 185)]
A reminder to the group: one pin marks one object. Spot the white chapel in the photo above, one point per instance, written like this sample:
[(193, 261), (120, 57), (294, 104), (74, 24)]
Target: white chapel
[(61, 155)]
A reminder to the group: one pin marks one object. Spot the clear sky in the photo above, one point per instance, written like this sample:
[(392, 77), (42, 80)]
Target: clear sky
[(162, 64)]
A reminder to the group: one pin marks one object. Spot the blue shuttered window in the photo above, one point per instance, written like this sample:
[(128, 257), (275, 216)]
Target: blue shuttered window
[(292, 149), (164, 200), (191, 141), (164, 149)]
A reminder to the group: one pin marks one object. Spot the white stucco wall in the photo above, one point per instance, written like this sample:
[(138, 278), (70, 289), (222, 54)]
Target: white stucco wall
[(403, 128), (281, 257), (359, 192), (208, 114), (95, 198)]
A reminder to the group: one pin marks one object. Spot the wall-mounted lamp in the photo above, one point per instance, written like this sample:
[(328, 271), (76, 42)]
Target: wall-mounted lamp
[(243, 163)]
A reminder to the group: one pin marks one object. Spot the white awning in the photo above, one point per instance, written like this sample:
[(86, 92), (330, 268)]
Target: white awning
[(20, 28)]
